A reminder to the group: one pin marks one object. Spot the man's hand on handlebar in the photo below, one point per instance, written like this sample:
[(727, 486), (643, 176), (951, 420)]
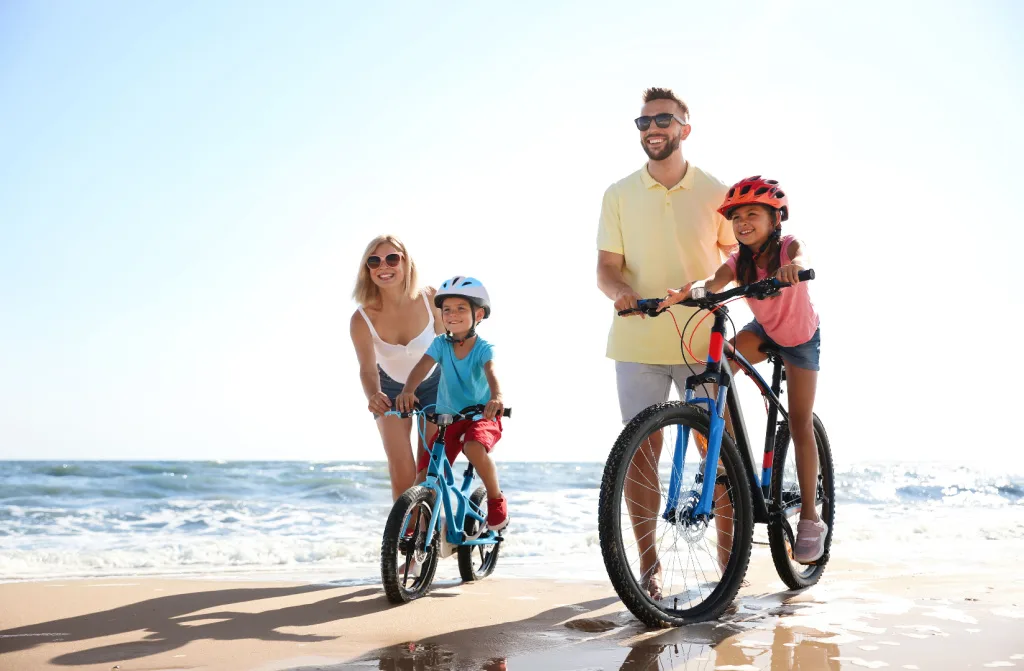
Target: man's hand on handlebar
[(626, 300)]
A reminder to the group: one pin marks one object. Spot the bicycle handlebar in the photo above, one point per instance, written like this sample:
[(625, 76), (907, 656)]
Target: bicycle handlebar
[(471, 412), (760, 289)]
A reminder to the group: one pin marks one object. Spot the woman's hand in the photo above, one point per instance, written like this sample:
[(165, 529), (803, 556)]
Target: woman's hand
[(406, 401), (379, 403), (494, 407), (789, 273)]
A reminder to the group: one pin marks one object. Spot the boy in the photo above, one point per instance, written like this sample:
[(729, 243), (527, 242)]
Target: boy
[(467, 378)]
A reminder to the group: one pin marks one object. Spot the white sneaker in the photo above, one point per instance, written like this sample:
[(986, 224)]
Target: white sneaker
[(810, 541)]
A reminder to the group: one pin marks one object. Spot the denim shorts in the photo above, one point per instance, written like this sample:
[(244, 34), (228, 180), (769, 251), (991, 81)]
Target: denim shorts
[(426, 392), (802, 356)]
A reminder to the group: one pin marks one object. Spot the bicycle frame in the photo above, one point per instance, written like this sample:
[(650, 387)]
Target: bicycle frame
[(717, 373), (441, 479)]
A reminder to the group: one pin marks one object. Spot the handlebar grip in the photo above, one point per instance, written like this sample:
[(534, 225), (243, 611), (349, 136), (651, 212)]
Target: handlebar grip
[(507, 412), (805, 275), (627, 311)]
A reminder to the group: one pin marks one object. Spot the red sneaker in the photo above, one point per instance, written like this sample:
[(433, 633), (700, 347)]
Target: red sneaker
[(497, 514)]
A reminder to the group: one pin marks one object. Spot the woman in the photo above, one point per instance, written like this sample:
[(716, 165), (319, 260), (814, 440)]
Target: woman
[(391, 330)]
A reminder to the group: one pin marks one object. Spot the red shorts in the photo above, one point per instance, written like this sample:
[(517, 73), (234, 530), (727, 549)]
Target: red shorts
[(484, 431)]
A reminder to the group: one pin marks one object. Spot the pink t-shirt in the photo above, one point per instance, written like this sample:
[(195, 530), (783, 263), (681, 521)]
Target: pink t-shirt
[(790, 318)]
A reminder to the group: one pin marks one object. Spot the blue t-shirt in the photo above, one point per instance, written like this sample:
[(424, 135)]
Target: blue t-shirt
[(463, 382)]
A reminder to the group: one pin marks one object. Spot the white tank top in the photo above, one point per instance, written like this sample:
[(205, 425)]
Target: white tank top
[(399, 360)]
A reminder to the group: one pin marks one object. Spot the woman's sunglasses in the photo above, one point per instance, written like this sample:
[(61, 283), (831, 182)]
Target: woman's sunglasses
[(663, 120), (373, 262)]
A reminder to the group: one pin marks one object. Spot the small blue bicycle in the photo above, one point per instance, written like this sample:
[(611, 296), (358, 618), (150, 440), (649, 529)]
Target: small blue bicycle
[(413, 541)]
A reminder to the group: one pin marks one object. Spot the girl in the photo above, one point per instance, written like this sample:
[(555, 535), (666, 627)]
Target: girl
[(757, 208)]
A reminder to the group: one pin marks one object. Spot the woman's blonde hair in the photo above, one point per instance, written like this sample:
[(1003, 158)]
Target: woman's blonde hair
[(366, 292)]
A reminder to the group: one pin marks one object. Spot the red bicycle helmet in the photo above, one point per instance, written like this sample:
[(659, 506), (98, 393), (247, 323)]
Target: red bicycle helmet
[(755, 191)]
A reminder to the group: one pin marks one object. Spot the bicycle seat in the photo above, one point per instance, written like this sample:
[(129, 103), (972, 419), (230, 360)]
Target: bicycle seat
[(769, 349)]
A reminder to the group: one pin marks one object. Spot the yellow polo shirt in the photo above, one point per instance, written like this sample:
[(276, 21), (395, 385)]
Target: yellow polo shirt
[(668, 237)]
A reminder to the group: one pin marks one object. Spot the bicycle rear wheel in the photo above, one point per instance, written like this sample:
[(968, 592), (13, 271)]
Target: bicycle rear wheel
[(476, 562), (785, 507), (407, 563), (668, 569)]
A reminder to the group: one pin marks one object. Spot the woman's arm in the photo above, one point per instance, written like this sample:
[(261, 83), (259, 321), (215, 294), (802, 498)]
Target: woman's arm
[(379, 403), (496, 405)]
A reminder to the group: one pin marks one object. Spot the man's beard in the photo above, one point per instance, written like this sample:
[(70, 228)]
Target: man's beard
[(660, 154)]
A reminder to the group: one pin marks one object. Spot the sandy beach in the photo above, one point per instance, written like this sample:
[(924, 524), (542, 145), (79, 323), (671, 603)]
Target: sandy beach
[(862, 615)]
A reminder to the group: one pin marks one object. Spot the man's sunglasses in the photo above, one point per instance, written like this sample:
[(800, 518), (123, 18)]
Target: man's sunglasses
[(373, 262), (663, 120)]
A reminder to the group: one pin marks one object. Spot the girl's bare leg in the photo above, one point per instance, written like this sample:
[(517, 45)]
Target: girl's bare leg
[(801, 387)]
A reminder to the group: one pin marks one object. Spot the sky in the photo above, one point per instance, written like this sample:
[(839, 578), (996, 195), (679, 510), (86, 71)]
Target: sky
[(186, 189)]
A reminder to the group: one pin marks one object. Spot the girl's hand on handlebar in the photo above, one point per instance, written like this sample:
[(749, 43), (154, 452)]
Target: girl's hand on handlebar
[(406, 401), (494, 407), (379, 403), (789, 273), (676, 296)]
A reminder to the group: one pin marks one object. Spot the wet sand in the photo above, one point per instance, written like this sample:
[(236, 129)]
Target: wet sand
[(861, 616)]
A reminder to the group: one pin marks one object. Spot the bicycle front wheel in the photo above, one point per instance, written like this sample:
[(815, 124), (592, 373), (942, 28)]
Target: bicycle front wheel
[(476, 562), (668, 568), (785, 506), (407, 563)]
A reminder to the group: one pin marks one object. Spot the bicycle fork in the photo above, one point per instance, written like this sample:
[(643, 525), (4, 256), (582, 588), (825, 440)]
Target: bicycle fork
[(701, 511)]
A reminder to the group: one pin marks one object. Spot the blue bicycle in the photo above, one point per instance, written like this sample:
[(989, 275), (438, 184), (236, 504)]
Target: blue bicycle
[(415, 537), (676, 524)]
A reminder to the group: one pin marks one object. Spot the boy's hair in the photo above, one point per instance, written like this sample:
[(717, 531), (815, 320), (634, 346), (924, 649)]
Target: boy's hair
[(746, 269), (655, 93), (366, 292)]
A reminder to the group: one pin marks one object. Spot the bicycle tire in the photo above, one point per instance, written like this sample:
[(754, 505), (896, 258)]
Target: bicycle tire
[(397, 552), (781, 535), (487, 554), (613, 548)]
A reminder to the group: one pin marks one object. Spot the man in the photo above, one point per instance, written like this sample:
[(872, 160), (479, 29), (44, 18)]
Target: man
[(659, 228)]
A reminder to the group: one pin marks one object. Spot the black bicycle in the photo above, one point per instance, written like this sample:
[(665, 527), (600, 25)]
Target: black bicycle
[(676, 524)]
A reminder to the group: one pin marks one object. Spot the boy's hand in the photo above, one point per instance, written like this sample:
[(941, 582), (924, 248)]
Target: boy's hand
[(675, 296), (494, 407), (789, 273), (406, 401), (379, 403)]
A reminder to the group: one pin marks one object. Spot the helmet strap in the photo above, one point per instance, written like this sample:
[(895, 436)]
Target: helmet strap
[(776, 234)]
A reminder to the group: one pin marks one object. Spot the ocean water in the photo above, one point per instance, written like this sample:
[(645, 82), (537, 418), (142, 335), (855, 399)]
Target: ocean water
[(85, 519)]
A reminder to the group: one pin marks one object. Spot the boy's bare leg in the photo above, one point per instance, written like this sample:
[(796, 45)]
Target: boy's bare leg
[(484, 465)]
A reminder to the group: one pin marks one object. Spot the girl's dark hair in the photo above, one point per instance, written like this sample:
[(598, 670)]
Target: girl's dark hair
[(746, 269)]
